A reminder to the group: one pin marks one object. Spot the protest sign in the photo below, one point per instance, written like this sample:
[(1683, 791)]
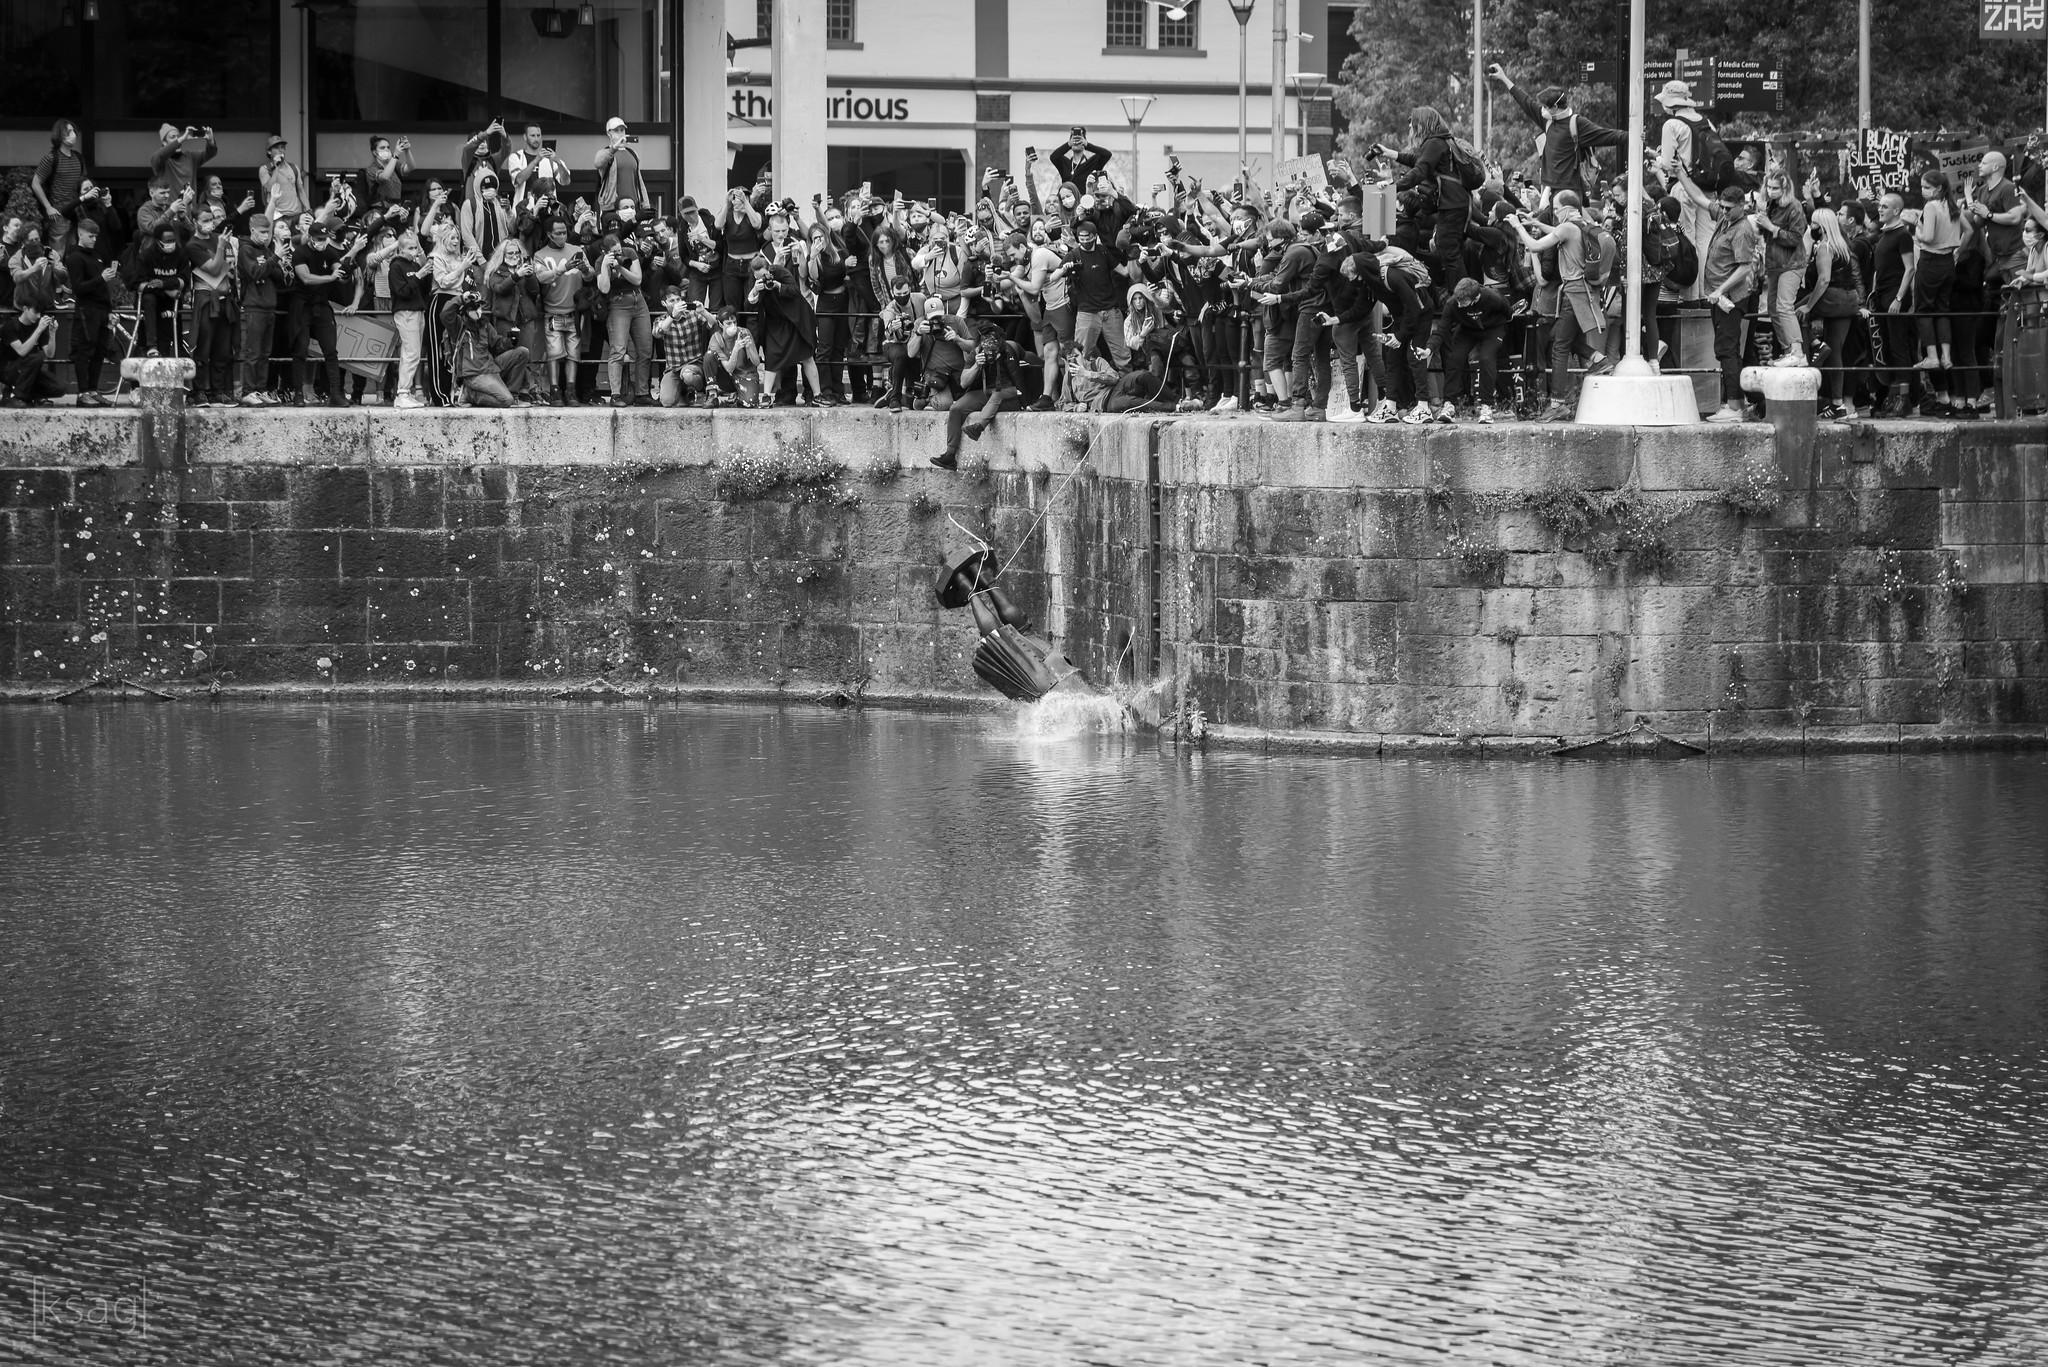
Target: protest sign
[(2020, 20), (1310, 166), (364, 344)]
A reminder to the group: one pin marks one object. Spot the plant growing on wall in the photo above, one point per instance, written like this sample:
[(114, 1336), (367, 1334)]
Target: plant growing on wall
[(802, 471)]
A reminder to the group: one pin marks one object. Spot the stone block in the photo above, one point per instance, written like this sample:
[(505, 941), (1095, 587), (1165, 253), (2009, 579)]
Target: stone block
[(1526, 458), (393, 554), (28, 536), (1917, 455), (1983, 524), (416, 610), (39, 490), (282, 436), (69, 437), (440, 436), (408, 496), (1990, 473), (37, 595), (328, 496), (295, 554), (1577, 612)]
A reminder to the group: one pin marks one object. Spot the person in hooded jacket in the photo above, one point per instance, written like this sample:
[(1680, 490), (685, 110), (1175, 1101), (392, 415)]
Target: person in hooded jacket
[(1430, 167)]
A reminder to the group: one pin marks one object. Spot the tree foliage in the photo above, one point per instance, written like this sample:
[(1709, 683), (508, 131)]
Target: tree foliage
[(1929, 70)]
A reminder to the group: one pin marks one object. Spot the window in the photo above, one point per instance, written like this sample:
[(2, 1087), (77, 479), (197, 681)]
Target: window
[(1180, 33), (39, 51), (764, 18), (839, 21), (407, 64), (1126, 24), (187, 61)]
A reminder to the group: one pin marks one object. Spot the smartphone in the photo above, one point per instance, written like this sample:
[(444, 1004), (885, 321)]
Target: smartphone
[(548, 144), (632, 137), (1032, 153), (867, 189)]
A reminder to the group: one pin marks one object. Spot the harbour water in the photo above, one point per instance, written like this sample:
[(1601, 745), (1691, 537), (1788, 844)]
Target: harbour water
[(721, 1035)]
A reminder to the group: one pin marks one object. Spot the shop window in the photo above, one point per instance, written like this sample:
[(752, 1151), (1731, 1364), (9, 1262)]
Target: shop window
[(407, 64), (186, 61), (399, 64), (598, 70), (40, 53)]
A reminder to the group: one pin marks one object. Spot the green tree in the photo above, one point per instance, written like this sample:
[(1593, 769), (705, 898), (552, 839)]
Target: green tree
[(1929, 69)]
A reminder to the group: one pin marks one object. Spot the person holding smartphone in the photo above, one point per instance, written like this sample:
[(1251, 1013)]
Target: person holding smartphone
[(179, 155), (25, 342)]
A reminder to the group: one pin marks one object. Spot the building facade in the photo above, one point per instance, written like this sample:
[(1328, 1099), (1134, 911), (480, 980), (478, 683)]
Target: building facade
[(920, 95)]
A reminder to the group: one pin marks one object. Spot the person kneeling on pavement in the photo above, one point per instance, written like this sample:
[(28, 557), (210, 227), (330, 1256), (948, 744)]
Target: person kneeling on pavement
[(992, 383), (490, 367)]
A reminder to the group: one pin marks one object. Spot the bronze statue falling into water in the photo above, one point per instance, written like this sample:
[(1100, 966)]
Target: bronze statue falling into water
[(1021, 667)]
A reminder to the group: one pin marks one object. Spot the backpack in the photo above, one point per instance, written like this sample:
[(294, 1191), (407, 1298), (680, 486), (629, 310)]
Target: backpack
[(1465, 164), (1684, 267), (1713, 165), (1600, 248)]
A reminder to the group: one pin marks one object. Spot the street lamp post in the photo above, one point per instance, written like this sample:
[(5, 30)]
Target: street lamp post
[(1280, 37), (1243, 10), (1134, 110), (1308, 86)]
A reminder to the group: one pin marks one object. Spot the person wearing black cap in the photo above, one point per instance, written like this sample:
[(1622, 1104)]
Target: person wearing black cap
[(1076, 159), (1569, 140)]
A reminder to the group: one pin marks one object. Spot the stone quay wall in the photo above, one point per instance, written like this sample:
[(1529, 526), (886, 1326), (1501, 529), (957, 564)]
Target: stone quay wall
[(1516, 583)]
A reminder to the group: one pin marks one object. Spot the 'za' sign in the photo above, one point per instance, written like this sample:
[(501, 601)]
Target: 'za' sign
[(2012, 19)]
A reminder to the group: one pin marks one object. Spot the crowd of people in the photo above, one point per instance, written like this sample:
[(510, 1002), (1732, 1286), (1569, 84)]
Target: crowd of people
[(507, 287)]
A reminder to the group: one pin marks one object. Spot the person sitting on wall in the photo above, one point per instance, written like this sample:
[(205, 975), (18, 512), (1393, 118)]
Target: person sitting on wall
[(992, 383)]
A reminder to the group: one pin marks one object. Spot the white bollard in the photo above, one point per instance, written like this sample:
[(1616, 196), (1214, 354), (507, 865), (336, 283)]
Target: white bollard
[(160, 383)]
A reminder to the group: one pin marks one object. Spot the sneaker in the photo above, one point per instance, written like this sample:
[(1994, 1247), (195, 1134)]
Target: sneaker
[(409, 401), (1601, 366), (1555, 411), (1789, 361), (1833, 412), (251, 400), (1448, 413), (946, 461), (1418, 414), (1752, 413), (1485, 416), (1190, 404), (1383, 412), (1227, 405), (1346, 414), (1042, 404), (1894, 407), (1964, 412), (1727, 412)]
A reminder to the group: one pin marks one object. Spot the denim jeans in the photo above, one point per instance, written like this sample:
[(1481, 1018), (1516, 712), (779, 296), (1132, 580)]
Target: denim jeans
[(1109, 326), (632, 338)]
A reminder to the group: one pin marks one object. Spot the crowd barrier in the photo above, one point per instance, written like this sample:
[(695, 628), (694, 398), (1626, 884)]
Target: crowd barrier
[(367, 348)]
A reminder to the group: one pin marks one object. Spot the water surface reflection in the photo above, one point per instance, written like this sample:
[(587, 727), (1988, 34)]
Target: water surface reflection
[(719, 1035)]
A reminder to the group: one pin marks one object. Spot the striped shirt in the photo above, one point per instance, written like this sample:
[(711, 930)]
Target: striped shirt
[(61, 172)]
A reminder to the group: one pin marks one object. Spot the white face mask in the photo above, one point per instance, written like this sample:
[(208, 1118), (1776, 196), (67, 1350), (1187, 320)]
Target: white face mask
[(626, 215)]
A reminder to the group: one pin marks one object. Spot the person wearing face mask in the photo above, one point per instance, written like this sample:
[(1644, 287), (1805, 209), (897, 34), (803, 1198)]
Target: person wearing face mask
[(1568, 140), (618, 168), (732, 361), (1781, 222), (486, 220), (899, 319), (1580, 318)]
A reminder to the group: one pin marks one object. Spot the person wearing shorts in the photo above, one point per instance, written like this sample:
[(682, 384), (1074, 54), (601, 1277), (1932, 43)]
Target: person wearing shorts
[(563, 269)]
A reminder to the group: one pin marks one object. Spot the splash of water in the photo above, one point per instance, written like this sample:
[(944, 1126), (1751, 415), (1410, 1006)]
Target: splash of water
[(1062, 714)]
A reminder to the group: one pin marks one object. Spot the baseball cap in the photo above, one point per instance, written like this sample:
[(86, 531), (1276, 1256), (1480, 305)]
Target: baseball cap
[(615, 124), (934, 307), (1077, 128), (276, 140)]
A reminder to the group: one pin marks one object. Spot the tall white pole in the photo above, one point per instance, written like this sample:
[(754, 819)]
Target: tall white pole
[(1632, 362), (1241, 154), (1479, 76), (1135, 187), (1279, 85), (1862, 64)]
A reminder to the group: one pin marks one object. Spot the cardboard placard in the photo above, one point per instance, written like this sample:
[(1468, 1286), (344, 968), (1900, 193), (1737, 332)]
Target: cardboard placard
[(362, 342)]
